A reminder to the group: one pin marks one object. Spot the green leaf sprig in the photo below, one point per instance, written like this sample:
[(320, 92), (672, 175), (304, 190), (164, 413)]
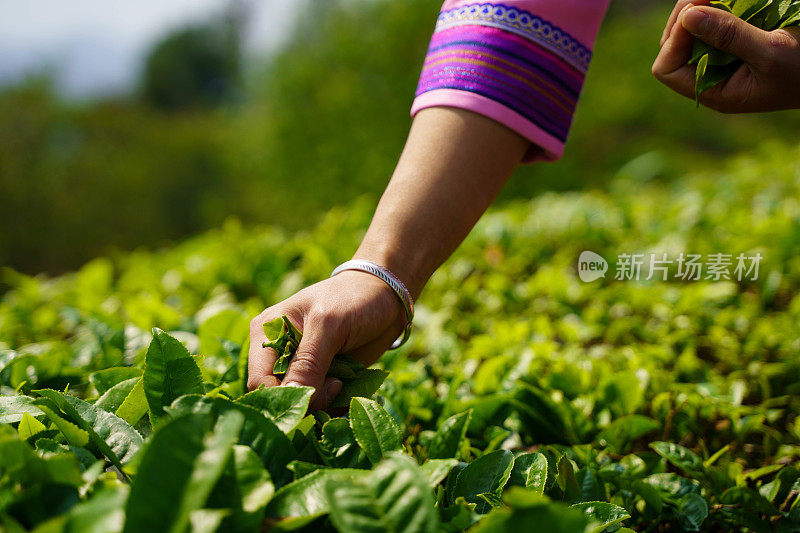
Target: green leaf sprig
[(284, 338), (715, 66)]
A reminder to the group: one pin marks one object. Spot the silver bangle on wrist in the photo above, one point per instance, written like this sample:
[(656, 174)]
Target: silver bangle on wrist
[(393, 282)]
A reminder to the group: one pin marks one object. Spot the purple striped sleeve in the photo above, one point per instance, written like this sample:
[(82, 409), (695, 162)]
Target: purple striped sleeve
[(511, 65)]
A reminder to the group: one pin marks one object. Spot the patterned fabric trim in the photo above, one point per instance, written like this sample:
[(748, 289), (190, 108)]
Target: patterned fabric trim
[(522, 23), (505, 67)]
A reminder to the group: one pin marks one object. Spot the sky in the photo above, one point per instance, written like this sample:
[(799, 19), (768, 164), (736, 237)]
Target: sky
[(96, 47)]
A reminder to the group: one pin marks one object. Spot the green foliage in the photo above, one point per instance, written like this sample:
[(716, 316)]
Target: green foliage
[(525, 396), (715, 66), (393, 497), (184, 462)]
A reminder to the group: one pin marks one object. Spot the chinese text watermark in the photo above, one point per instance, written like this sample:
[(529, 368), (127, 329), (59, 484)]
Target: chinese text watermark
[(685, 267)]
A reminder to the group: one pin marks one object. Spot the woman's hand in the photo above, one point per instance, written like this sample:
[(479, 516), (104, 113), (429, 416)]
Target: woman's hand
[(453, 165), (769, 79), (352, 312)]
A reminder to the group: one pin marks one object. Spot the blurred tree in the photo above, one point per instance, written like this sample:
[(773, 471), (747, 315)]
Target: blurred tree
[(196, 66)]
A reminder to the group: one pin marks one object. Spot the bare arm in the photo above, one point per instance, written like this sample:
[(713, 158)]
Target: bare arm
[(453, 166)]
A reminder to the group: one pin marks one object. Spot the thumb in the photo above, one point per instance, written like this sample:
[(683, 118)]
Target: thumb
[(311, 362), (727, 32)]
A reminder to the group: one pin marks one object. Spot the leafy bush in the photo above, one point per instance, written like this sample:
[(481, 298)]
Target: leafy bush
[(525, 395)]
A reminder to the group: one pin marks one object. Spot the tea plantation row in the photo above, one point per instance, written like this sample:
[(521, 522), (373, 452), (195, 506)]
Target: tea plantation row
[(526, 396)]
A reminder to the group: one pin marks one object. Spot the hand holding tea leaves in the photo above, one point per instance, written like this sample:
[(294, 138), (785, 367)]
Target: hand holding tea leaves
[(734, 56), (358, 317)]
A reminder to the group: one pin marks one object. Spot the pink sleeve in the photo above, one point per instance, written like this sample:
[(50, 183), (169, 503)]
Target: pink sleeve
[(519, 62)]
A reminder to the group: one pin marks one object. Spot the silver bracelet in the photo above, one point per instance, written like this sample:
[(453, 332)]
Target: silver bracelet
[(395, 284)]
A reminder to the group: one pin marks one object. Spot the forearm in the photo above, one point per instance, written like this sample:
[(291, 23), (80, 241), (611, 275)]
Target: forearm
[(453, 166)]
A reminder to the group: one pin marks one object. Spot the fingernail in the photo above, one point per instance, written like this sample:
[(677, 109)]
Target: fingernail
[(696, 22), (291, 384), (334, 387)]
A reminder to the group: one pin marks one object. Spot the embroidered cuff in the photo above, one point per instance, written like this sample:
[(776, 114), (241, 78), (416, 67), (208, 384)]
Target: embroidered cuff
[(509, 65)]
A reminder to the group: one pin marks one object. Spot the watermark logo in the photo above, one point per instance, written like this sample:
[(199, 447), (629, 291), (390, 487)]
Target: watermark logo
[(684, 267), (591, 266)]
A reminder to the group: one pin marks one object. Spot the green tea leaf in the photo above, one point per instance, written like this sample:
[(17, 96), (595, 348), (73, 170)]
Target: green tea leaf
[(344, 367), (134, 407), (748, 499), (259, 432), (29, 427), (699, 49), (183, 461), (603, 514), (529, 508), (307, 495), (394, 497), (105, 379), (672, 487), (549, 421), (566, 480), (165, 468), (207, 520), (374, 429), (103, 513), (284, 338), (679, 456), (208, 466), (692, 512), (285, 406), (18, 459), (492, 499), (366, 383), (436, 470), (747, 9), (338, 446), (448, 437), (114, 437), (649, 494), (72, 433), (253, 480), (12, 408), (113, 397), (623, 431), (169, 372), (530, 470), (487, 474)]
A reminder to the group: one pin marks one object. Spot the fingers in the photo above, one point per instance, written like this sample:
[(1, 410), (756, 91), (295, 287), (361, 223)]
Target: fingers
[(675, 16), (675, 53), (670, 66), (729, 33), (321, 341), (331, 387), (681, 81), (260, 360)]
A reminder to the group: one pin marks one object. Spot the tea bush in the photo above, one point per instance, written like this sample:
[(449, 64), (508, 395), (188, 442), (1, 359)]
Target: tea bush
[(525, 396)]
